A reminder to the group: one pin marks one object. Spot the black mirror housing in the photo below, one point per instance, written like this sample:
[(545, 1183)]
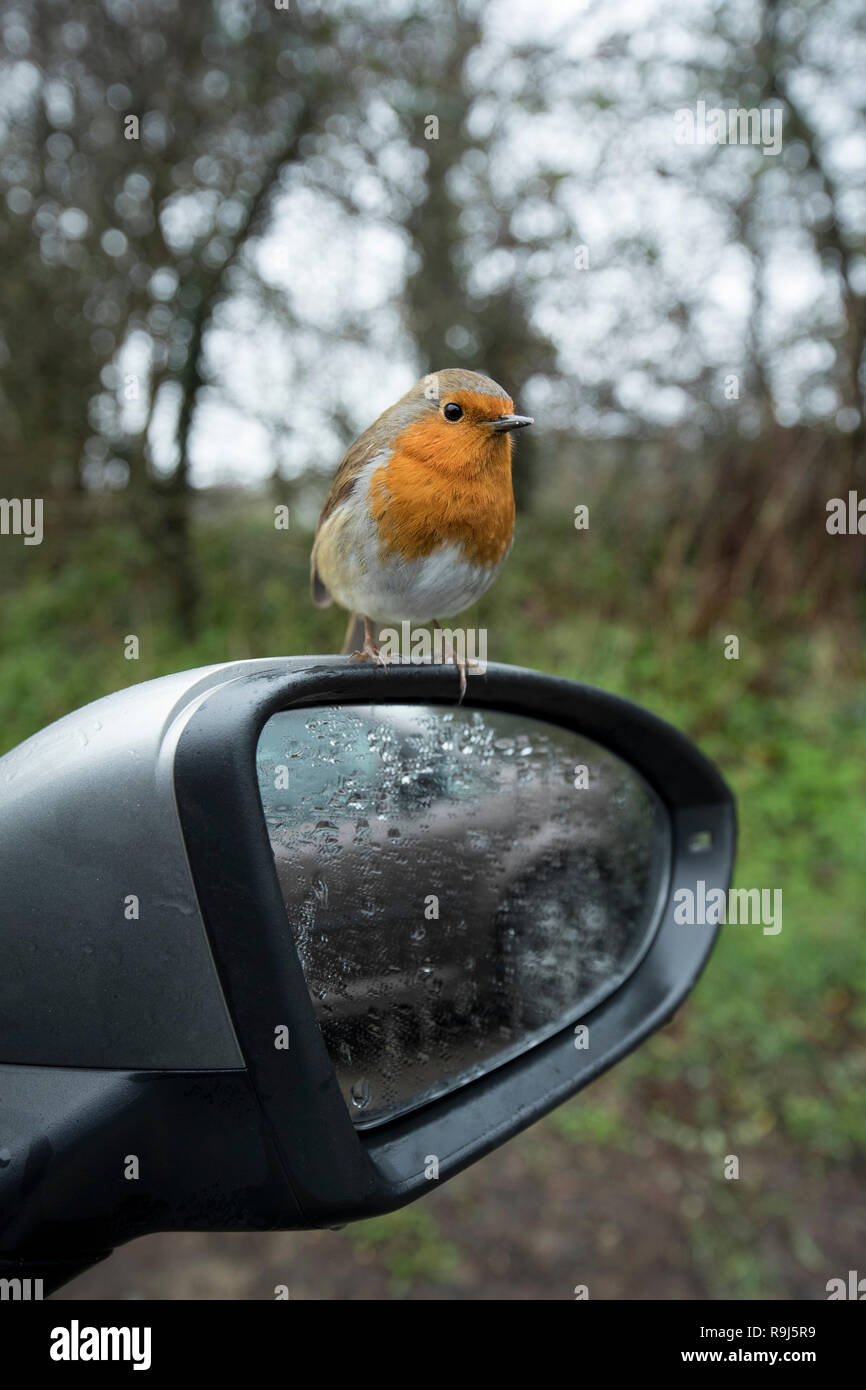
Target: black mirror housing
[(149, 965)]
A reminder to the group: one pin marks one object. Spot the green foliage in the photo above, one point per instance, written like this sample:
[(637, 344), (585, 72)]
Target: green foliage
[(584, 1120), (410, 1247)]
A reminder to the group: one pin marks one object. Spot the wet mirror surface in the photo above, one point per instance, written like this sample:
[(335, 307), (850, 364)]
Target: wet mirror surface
[(460, 885)]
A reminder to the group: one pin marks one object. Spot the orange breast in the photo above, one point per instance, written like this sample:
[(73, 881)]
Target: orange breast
[(443, 485)]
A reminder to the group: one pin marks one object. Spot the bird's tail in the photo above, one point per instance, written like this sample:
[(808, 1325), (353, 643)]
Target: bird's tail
[(354, 638)]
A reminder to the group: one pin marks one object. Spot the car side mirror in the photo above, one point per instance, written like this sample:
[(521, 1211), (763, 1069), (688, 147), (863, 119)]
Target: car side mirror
[(287, 942)]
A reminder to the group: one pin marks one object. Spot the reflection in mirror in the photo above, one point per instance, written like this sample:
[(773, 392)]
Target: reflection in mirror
[(460, 883)]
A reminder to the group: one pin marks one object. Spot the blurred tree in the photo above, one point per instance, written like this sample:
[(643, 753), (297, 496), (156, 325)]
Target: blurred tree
[(753, 517), (143, 146), (456, 317)]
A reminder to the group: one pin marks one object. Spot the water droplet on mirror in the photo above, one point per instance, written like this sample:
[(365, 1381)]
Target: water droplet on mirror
[(361, 1094)]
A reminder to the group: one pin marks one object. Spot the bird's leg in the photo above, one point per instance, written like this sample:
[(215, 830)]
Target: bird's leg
[(449, 654), (370, 650)]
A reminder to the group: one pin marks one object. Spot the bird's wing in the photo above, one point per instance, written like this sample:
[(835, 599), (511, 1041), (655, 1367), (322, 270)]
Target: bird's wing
[(345, 481), (321, 595)]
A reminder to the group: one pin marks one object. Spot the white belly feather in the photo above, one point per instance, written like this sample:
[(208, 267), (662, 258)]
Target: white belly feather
[(392, 589)]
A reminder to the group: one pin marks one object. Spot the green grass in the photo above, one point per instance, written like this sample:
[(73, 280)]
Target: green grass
[(409, 1247), (766, 1051)]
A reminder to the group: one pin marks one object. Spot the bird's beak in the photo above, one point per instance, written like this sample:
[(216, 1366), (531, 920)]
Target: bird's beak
[(510, 422)]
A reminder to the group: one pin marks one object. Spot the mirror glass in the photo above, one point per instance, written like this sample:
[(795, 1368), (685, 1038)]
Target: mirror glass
[(460, 884)]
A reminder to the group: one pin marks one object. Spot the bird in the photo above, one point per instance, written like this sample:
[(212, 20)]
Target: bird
[(420, 516)]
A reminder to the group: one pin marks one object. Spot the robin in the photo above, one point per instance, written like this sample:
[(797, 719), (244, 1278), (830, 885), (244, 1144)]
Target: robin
[(420, 517)]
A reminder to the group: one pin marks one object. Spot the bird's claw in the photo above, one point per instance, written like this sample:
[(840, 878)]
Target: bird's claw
[(370, 652), (463, 664)]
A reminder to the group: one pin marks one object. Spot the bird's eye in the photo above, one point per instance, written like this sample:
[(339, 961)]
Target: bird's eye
[(453, 411)]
